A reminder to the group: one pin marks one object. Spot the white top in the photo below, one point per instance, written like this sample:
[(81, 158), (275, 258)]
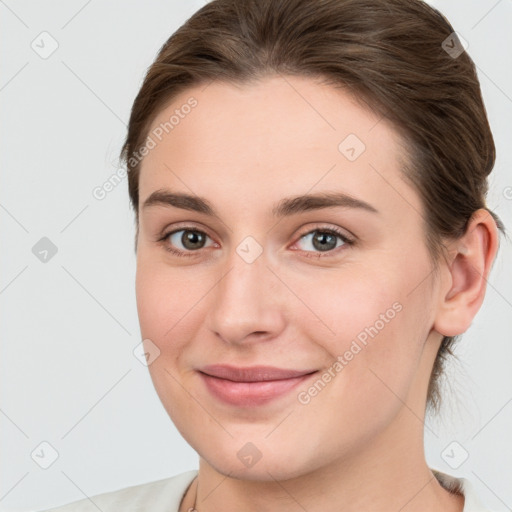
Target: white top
[(166, 495)]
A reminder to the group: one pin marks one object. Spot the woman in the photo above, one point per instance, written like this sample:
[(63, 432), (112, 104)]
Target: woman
[(309, 182)]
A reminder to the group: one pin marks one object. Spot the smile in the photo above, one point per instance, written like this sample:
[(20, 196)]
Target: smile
[(246, 387)]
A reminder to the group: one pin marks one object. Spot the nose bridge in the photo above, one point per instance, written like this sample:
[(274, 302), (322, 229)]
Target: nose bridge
[(245, 300)]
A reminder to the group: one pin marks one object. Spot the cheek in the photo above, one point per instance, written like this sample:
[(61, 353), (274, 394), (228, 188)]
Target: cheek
[(348, 305), (170, 305), (373, 326), (166, 299), (165, 305)]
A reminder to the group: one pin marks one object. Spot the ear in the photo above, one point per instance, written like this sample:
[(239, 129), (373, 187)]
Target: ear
[(464, 281)]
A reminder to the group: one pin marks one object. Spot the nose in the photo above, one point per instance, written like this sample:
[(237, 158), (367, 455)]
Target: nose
[(247, 303)]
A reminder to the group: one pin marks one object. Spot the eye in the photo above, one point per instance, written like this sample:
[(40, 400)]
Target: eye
[(189, 240), (323, 240), (185, 241)]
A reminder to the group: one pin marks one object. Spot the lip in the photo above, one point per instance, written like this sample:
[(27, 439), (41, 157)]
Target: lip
[(250, 386)]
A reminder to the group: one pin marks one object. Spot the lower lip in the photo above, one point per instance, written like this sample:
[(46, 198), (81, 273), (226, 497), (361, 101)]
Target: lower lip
[(247, 394)]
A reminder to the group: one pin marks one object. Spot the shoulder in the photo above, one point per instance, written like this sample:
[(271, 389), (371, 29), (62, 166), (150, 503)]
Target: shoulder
[(157, 496), (462, 486)]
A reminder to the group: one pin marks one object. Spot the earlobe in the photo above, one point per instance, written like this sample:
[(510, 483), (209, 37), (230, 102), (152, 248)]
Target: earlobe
[(466, 276)]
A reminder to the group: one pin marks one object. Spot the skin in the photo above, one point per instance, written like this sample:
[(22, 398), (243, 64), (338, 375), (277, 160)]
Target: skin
[(358, 444)]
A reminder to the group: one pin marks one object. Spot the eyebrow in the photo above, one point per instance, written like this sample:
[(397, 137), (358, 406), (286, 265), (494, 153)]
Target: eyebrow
[(286, 207)]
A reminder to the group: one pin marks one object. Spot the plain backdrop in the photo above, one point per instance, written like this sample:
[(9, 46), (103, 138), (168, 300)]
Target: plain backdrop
[(73, 395)]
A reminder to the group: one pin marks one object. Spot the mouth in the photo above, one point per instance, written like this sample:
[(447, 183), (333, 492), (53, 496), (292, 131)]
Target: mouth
[(251, 386)]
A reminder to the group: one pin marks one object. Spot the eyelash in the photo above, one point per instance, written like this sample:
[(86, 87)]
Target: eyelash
[(332, 231)]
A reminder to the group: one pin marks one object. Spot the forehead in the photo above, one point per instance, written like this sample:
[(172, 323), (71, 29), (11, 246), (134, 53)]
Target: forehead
[(282, 135)]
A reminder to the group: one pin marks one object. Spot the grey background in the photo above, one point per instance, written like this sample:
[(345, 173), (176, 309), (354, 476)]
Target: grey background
[(69, 325)]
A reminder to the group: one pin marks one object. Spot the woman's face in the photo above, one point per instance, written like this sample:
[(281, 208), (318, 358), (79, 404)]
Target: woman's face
[(301, 248)]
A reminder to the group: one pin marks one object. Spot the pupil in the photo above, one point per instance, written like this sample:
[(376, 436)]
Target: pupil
[(192, 239), (321, 241)]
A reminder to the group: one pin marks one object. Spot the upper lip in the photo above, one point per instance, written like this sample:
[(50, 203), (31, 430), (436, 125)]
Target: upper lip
[(251, 373)]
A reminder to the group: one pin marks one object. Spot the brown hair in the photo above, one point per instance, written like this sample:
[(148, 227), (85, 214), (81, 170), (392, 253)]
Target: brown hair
[(394, 55)]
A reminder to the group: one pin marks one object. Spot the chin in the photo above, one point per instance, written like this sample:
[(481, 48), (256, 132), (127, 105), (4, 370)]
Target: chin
[(259, 461), (262, 471)]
